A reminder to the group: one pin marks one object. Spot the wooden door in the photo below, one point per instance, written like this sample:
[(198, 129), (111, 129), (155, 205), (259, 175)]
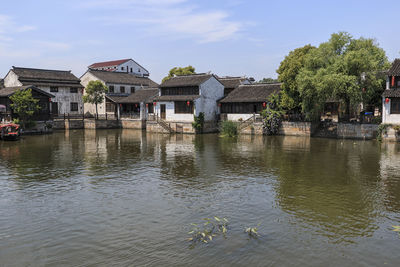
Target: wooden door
[(54, 108), (162, 111)]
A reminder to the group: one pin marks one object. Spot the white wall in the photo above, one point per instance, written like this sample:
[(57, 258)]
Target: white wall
[(170, 113), (238, 117), (64, 98), (210, 92), (11, 80), (386, 116)]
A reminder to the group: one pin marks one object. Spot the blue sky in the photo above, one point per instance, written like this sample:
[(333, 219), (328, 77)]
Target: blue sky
[(233, 37)]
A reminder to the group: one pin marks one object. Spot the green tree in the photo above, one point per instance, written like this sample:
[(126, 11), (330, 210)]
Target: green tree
[(24, 105), (272, 115), (95, 91), (179, 71), (268, 80), (288, 71), (343, 69)]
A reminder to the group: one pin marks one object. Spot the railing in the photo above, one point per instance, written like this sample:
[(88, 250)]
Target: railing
[(68, 116), (249, 121)]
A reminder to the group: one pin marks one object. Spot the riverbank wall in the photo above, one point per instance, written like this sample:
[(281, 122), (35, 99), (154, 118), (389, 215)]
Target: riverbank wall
[(309, 129)]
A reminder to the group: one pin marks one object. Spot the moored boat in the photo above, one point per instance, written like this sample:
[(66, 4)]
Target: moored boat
[(9, 131)]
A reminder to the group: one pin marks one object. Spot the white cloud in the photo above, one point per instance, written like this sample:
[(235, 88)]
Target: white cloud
[(174, 18), (8, 28)]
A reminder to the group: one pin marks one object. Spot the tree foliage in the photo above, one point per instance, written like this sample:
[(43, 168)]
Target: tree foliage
[(288, 71), (94, 93), (272, 115), (177, 71), (24, 105), (342, 69), (268, 80)]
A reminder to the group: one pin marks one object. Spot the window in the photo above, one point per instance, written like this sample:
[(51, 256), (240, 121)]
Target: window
[(138, 70), (132, 89), (110, 107), (74, 106), (54, 89), (183, 107), (180, 91), (122, 89), (111, 89), (395, 106), (122, 68), (73, 90), (131, 70)]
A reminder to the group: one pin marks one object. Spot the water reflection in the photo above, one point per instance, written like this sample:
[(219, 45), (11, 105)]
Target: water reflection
[(125, 197)]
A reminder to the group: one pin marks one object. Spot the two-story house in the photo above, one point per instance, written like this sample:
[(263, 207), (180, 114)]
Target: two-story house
[(391, 96), (182, 97), (63, 85), (120, 84), (122, 65)]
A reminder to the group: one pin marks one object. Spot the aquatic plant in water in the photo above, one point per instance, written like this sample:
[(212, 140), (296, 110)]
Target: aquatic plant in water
[(396, 228), (206, 231), (252, 231)]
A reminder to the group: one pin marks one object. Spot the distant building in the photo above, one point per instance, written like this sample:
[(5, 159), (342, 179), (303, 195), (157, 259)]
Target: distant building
[(247, 100), (391, 96), (63, 85), (119, 85), (231, 83), (122, 65)]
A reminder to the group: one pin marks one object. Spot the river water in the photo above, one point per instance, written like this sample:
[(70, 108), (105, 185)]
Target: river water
[(127, 198)]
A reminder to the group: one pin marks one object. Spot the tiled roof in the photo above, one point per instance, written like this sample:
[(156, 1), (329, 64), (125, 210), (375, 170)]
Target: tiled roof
[(186, 80), (8, 91), (176, 98), (144, 95), (391, 93), (108, 63), (123, 78), (395, 69), (252, 93), (43, 77), (232, 82)]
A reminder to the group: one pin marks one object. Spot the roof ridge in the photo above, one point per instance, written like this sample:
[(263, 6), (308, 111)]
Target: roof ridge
[(25, 68)]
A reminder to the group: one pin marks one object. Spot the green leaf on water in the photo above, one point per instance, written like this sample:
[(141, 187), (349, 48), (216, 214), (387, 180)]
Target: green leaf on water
[(217, 219)]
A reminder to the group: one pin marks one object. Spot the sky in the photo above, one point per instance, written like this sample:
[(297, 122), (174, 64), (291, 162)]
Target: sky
[(227, 37)]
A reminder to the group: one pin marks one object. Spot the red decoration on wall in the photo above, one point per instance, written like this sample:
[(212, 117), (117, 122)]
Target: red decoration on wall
[(393, 81), (387, 100), (154, 103), (264, 104), (135, 105), (49, 99), (219, 104), (147, 105), (120, 105), (188, 103)]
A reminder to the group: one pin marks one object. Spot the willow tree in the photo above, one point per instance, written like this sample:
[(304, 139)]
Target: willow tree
[(342, 69)]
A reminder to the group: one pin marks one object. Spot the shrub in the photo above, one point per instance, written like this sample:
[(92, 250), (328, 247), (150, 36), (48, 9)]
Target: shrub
[(198, 123), (229, 129), (382, 129)]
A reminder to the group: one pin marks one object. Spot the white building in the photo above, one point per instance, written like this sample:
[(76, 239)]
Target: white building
[(122, 65), (64, 85), (119, 85), (182, 97), (391, 96)]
